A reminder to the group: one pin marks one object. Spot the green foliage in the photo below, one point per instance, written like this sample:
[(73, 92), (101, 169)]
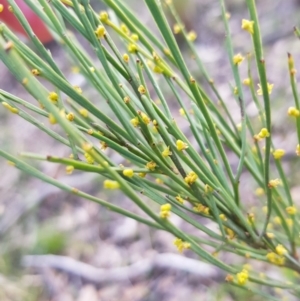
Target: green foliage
[(186, 174)]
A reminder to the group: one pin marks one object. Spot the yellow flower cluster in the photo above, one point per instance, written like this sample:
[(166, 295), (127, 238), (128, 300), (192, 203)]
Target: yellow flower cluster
[(278, 154), (264, 133), (237, 59), (53, 97), (201, 209), (179, 199), (69, 169), (89, 159), (151, 165), (191, 178), (248, 26), (181, 245), (100, 32), (145, 118), (291, 210), (135, 121), (298, 150), (109, 184), (230, 232), (274, 183), (292, 111), (128, 173), (165, 210), (242, 277), (181, 145), (83, 112), (247, 81), (269, 87), (103, 16), (275, 258), (166, 152), (70, 116), (192, 36), (142, 89)]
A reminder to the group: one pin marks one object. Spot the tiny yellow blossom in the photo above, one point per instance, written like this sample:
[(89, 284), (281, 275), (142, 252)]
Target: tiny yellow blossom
[(181, 145), (158, 69), (100, 31), (230, 232), (142, 89), (265, 209), (242, 277), (125, 29), (269, 86), (176, 28), (237, 59), (1, 8), (292, 111), (135, 121), (229, 278), (263, 133), (251, 218), (235, 91), (166, 152), (135, 37), (223, 217), (259, 191), (70, 116), (179, 199), (192, 36), (248, 26), (289, 222), (89, 158), (278, 154), (69, 169), (165, 210), (298, 150), (208, 189), (109, 184), (132, 48), (145, 118), (142, 174), (53, 97), (128, 173), (125, 57), (159, 181), (103, 145), (274, 183), (35, 72), (275, 258), (247, 81), (270, 235), (78, 89), (182, 112), (277, 220), (191, 178), (83, 112), (280, 250), (151, 165), (291, 210), (126, 99), (52, 119), (181, 245), (103, 16)]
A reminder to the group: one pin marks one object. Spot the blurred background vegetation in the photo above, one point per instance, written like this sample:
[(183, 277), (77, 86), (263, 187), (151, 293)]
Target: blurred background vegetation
[(38, 219)]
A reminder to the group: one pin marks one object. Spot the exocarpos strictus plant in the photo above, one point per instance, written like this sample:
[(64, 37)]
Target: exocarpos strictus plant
[(187, 173)]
